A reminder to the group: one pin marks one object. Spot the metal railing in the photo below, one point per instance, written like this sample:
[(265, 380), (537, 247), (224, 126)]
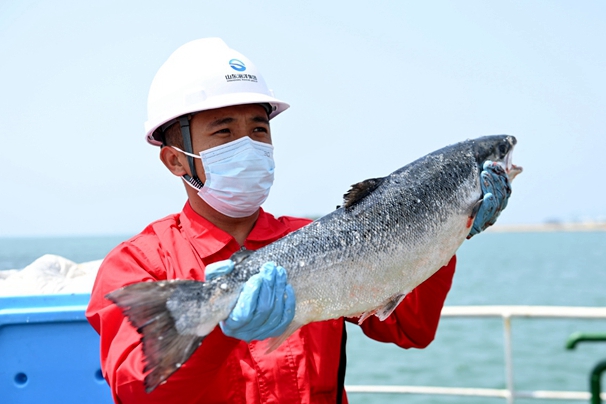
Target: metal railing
[(506, 313)]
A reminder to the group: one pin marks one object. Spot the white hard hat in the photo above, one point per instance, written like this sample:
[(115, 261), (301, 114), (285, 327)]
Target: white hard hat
[(204, 74)]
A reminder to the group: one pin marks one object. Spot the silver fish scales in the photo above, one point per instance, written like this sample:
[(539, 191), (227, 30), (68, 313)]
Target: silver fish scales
[(390, 235)]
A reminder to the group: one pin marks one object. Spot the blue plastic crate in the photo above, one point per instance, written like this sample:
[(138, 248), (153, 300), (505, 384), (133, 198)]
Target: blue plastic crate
[(49, 352)]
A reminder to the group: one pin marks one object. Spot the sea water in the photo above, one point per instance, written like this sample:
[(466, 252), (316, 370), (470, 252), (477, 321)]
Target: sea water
[(559, 269), (547, 269), (18, 252)]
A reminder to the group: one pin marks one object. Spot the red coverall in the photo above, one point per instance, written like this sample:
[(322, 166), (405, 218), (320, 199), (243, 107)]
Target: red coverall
[(304, 369)]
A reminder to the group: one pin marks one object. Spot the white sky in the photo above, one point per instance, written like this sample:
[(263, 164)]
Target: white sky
[(372, 87)]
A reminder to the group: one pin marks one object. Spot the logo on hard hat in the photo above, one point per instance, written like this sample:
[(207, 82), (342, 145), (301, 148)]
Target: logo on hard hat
[(237, 65)]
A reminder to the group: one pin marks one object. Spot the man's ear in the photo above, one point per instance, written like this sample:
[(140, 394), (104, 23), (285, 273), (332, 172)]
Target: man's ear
[(173, 160)]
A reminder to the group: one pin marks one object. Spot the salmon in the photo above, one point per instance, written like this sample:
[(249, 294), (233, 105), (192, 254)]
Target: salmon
[(390, 235)]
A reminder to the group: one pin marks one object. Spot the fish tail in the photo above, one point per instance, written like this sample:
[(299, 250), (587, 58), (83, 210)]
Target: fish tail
[(164, 348)]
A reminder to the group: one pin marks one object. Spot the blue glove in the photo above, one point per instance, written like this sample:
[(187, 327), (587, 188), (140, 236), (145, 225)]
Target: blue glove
[(496, 191), (266, 304)]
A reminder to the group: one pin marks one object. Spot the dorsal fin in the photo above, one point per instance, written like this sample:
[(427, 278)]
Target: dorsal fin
[(240, 255), (360, 190)]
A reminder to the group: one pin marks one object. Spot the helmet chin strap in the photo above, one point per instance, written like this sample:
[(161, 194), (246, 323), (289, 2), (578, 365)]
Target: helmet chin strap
[(185, 133)]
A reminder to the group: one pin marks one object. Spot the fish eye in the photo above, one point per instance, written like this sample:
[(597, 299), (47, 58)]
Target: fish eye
[(502, 149)]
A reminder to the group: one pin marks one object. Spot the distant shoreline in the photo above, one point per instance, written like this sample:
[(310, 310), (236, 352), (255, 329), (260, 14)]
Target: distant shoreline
[(548, 227)]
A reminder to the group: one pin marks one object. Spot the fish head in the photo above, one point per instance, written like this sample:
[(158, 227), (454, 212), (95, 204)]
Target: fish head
[(497, 148)]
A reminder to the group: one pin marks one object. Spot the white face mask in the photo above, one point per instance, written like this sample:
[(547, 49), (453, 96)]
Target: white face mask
[(239, 175)]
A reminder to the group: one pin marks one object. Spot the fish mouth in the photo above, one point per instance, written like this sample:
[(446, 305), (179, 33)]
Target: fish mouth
[(499, 150), (511, 169)]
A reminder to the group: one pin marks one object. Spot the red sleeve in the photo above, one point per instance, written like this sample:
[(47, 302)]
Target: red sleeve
[(414, 323), (121, 351)]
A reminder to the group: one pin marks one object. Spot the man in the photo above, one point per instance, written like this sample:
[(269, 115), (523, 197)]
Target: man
[(209, 109)]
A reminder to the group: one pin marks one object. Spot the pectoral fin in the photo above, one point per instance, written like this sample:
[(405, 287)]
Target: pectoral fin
[(474, 213), (364, 316), (475, 209), (384, 311)]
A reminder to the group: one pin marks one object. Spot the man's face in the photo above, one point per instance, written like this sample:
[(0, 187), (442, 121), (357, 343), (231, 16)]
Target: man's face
[(223, 125), (216, 127)]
